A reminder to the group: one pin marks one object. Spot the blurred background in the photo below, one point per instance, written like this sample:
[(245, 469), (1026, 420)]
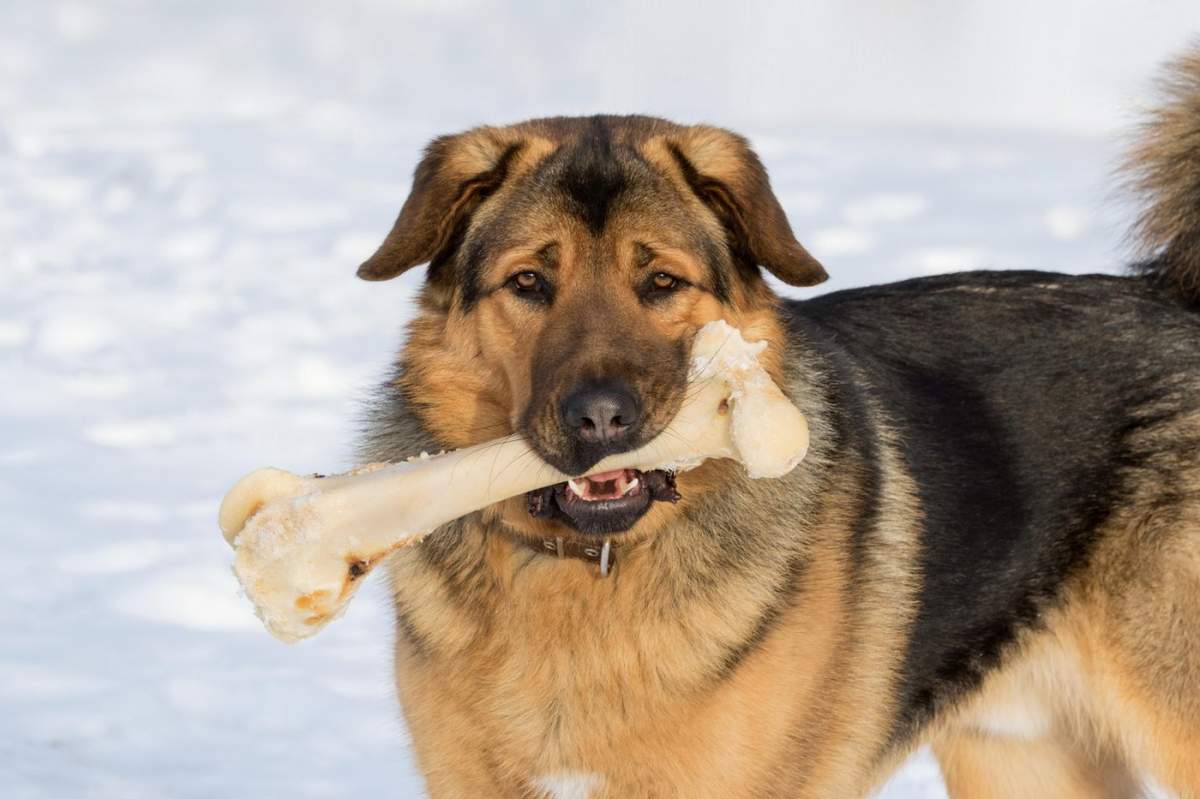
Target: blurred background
[(186, 189)]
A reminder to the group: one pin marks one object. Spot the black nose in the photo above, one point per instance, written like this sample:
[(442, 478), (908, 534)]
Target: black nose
[(600, 414)]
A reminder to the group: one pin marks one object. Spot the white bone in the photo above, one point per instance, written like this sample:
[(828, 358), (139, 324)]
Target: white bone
[(303, 545)]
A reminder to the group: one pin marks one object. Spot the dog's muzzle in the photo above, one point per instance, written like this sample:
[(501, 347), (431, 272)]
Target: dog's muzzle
[(605, 503)]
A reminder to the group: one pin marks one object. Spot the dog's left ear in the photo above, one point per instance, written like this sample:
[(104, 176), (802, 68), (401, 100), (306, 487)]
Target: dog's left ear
[(728, 176), (454, 177)]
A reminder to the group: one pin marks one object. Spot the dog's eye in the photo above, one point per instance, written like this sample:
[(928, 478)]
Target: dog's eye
[(530, 285), (660, 285), (662, 280)]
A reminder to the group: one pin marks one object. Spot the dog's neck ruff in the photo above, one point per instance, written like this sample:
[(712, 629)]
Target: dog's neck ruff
[(602, 554)]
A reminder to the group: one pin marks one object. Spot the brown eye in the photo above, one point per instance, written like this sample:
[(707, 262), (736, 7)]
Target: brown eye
[(530, 286), (660, 287)]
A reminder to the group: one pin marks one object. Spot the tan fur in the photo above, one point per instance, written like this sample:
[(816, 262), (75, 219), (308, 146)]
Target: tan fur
[(1065, 718), (983, 766)]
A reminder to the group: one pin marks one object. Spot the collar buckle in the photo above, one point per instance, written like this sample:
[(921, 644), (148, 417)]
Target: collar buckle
[(602, 555)]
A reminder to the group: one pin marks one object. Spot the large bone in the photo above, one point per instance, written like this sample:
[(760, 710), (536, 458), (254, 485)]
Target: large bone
[(304, 544)]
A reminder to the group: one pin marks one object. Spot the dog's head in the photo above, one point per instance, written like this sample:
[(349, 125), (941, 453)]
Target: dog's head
[(570, 262)]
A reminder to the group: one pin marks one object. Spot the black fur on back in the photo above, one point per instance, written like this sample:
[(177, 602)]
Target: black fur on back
[(1015, 396)]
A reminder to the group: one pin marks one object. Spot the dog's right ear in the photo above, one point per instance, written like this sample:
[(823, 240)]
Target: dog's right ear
[(456, 175)]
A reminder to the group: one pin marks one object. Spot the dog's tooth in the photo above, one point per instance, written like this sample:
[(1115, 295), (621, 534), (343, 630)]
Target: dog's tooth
[(630, 487), (579, 488)]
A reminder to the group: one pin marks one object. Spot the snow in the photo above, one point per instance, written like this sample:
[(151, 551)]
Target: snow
[(185, 191)]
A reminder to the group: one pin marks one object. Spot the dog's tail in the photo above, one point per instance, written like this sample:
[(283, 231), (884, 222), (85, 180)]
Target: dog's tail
[(1163, 171)]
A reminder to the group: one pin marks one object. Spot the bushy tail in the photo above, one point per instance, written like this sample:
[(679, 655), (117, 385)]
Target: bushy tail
[(1163, 170)]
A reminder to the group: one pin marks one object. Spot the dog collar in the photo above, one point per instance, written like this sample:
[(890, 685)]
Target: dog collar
[(603, 555)]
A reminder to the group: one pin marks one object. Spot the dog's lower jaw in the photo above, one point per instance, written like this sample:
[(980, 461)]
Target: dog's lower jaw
[(604, 517)]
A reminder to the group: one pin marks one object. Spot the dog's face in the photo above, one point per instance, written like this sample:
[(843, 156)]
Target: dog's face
[(571, 261)]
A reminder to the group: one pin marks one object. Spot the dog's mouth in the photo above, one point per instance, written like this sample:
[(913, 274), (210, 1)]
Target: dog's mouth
[(605, 502)]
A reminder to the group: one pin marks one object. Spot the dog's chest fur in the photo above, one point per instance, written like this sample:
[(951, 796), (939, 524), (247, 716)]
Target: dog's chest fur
[(567, 662), (551, 670)]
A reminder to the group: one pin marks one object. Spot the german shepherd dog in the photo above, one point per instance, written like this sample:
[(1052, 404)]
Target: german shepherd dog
[(993, 546)]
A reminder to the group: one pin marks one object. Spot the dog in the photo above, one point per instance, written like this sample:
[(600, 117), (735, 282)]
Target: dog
[(992, 547)]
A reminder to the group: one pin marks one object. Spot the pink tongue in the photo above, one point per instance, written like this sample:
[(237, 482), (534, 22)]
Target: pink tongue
[(604, 477)]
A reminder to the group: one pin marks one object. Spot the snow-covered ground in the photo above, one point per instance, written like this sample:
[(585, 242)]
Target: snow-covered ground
[(184, 194)]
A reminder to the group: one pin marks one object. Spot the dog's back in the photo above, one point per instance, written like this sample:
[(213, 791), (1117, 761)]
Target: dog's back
[(1037, 414), (1051, 425)]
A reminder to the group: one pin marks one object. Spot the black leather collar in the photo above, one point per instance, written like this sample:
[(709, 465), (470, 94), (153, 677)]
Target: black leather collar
[(603, 554)]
